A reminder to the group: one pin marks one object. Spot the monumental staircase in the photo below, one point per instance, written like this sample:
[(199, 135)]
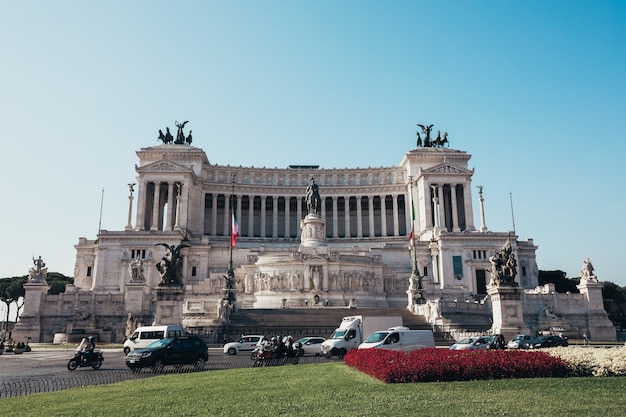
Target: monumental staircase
[(315, 321)]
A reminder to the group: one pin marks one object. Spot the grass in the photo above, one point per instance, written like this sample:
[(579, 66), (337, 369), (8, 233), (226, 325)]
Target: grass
[(330, 389)]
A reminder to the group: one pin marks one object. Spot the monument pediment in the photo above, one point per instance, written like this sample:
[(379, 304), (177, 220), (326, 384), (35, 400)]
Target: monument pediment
[(446, 169), (163, 166)]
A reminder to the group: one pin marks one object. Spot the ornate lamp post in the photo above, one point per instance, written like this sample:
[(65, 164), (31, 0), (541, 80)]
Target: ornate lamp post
[(416, 293), (229, 288)]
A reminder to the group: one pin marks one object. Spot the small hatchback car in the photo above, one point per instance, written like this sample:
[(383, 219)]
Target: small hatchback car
[(180, 350), (245, 343)]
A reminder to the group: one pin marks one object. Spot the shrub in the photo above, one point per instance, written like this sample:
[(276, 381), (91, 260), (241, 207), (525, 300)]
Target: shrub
[(429, 365), (592, 361)]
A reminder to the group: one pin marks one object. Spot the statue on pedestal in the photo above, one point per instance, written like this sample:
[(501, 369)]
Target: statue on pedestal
[(313, 199), (504, 266), (587, 271), (171, 265), (39, 272)]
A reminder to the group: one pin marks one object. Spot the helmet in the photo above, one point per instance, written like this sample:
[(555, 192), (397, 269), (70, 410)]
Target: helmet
[(90, 338)]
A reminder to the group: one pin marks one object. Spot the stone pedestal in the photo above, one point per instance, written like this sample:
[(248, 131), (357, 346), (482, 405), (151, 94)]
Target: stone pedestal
[(508, 318), (133, 297), (29, 324), (169, 305), (313, 231), (599, 327)]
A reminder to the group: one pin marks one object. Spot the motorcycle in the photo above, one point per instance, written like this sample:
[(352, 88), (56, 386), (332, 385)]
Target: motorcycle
[(270, 357), (83, 359)]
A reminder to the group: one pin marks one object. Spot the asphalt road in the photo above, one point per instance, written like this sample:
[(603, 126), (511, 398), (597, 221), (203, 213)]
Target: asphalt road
[(44, 369), (53, 361)]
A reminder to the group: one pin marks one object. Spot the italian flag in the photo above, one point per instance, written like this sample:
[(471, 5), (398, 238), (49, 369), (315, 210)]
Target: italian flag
[(412, 220), (234, 233)]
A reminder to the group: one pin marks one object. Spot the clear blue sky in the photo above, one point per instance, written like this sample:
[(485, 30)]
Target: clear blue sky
[(534, 90)]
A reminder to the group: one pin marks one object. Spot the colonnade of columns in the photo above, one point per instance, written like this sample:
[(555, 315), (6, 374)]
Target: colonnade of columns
[(158, 206), (452, 207), (268, 216)]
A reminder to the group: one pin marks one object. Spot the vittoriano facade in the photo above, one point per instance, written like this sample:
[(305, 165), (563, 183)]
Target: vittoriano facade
[(373, 234)]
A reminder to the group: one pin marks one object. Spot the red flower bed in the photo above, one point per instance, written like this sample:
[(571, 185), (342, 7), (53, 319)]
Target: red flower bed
[(427, 365)]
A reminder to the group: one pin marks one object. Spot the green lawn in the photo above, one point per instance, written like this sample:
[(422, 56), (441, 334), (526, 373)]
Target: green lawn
[(330, 389)]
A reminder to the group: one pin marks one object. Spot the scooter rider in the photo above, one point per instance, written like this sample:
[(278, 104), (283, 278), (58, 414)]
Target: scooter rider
[(89, 348), (280, 350)]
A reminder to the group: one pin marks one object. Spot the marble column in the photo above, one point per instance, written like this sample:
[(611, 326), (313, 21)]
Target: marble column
[(263, 215), (274, 217), (370, 201), (171, 195), (214, 215), (155, 206), (335, 218), (298, 216), (250, 216), (455, 209), (238, 210), (346, 205), (287, 216), (359, 217), (226, 217), (129, 226), (396, 224), (383, 215)]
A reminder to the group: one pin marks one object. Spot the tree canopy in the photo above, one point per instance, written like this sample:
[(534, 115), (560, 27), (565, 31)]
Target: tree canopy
[(11, 290), (57, 282), (560, 281)]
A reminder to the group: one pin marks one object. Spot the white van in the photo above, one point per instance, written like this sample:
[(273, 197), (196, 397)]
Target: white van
[(143, 336), (400, 338)]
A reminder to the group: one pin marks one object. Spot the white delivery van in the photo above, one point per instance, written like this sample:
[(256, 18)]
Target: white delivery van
[(353, 330), (143, 336), (400, 338)]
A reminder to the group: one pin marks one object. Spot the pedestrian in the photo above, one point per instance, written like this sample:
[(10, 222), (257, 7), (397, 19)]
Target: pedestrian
[(585, 340)]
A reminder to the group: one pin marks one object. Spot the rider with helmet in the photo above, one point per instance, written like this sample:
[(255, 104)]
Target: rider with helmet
[(89, 348)]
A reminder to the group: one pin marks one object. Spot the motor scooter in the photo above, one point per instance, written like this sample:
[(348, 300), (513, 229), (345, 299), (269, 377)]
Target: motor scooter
[(271, 357), (83, 359)]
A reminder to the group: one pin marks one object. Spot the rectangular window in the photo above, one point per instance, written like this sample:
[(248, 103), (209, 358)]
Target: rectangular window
[(88, 271), (138, 253), (457, 263)]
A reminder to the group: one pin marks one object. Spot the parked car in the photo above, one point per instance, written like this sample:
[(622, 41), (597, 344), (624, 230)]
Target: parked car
[(245, 343), (464, 344), (162, 352), (521, 341), (496, 341), (311, 345), (476, 343), (548, 341)]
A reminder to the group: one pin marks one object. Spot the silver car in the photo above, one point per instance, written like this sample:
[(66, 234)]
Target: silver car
[(311, 345), (473, 343), (521, 341)]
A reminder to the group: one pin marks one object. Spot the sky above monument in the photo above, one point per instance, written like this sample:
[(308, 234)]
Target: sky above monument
[(535, 91)]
